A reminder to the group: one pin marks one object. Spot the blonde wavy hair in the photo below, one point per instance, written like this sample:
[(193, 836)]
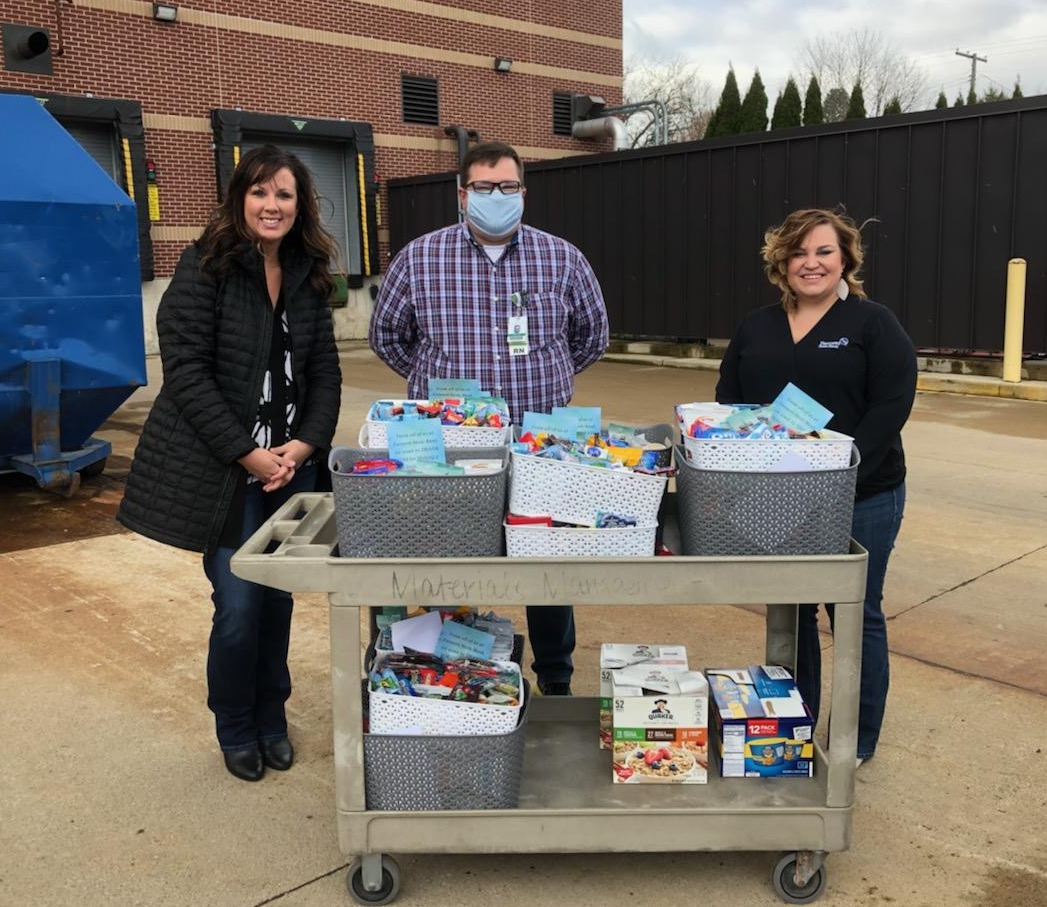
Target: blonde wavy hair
[(779, 243)]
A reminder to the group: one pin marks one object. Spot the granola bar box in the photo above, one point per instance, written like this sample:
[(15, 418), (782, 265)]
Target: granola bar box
[(615, 656), (762, 726), (660, 729)]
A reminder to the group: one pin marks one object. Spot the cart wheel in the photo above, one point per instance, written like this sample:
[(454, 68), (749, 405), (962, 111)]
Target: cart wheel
[(354, 881), (784, 881)]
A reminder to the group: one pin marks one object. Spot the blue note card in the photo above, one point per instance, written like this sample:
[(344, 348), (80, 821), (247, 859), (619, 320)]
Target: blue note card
[(559, 425), (456, 388), (420, 441), (796, 410), (588, 417), (459, 641)]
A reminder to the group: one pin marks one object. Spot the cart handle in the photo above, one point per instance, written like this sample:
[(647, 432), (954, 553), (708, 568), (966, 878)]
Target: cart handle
[(303, 526)]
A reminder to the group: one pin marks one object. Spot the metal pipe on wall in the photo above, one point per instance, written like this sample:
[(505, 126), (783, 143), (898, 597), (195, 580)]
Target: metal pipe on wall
[(600, 127)]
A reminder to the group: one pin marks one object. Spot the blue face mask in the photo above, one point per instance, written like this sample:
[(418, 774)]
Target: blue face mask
[(496, 215)]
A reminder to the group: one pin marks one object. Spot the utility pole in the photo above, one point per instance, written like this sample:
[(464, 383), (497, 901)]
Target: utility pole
[(974, 58)]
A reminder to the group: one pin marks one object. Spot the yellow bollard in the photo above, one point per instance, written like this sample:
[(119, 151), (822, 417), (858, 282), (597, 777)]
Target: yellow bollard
[(1014, 321)]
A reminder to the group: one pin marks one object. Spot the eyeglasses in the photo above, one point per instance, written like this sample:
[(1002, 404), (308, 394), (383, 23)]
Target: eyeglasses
[(506, 187)]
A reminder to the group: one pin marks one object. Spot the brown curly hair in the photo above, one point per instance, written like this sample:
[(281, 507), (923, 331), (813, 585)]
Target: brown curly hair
[(779, 243), (227, 235)]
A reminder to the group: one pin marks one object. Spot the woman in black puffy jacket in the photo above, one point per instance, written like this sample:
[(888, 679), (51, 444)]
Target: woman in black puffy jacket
[(249, 402)]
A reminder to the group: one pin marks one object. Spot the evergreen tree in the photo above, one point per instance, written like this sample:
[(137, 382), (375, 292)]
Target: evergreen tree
[(994, 94), (856, 106), (727, 117), (776, 116), (893, 106), (710, 127), (836, 102), (754, 107), (1017, 91), (959, 100), (812, 105), (788, 110), (972, 97), (942, 101)]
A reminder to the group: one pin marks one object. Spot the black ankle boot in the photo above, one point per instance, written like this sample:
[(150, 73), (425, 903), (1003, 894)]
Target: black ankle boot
[(278, 754), (245, 764)]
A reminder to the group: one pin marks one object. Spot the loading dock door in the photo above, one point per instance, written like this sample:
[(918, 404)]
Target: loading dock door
[(99, 141)]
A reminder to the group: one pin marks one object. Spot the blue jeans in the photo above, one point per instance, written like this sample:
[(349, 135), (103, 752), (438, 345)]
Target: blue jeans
[(248, 680), (875, 527), (551, 631)]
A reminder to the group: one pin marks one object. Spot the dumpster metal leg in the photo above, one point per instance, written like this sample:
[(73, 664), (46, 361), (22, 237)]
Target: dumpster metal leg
[(52, 469)]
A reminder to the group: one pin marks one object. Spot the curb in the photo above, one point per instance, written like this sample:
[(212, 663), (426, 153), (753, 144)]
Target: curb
[(978, 386), (931, 382)]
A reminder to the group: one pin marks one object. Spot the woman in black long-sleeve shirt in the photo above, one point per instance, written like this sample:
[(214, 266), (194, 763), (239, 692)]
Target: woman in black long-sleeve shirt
[(852, 356)]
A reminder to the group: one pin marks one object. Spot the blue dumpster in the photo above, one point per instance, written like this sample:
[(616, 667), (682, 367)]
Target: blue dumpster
[(71, 342)]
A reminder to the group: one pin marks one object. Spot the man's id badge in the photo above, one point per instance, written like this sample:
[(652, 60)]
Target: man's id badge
[(517, 336)]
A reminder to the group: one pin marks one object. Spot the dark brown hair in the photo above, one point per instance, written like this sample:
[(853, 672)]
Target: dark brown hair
[(489, 153), (227, 234), (779, 243)]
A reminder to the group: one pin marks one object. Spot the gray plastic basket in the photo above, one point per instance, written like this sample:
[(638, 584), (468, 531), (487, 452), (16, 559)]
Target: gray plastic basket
[(436, 773), (423, 516), (764, 513)]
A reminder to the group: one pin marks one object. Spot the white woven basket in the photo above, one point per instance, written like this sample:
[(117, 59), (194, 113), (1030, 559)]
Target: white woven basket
[(755, 455), (392, 713), (574, 493), (373, 434), (556, 541)]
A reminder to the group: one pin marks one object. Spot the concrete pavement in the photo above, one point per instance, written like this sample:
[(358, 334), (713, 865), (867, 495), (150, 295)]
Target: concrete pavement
[(113, 791)]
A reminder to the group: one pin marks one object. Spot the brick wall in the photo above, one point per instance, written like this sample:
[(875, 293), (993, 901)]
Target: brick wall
[(113, 48)]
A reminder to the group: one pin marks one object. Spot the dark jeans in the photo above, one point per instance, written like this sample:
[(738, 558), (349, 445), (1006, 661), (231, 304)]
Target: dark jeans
[(551, 631), (875, 527), (248, 681)]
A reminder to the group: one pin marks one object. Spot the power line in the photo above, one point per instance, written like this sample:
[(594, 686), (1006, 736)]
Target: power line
[(1014, 45)]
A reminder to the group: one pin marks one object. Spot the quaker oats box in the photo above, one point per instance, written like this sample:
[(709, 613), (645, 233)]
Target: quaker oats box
[(660, 732), (762, 726), (615, 656)]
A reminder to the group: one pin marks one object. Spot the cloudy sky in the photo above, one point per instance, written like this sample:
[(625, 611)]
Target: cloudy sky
[(769, 34)]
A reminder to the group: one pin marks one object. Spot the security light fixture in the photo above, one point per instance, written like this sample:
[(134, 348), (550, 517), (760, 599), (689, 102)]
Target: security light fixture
[(165, 12), (502, 64)]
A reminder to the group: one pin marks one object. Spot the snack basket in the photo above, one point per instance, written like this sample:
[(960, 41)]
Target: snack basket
[(391, 713), (373, 433), (832, 451), (418, 516), (725, 512), (557, 541), (418, 773), (576, 493)]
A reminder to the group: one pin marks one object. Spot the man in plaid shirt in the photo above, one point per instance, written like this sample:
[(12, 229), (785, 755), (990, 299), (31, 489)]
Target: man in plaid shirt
[(493, 299)]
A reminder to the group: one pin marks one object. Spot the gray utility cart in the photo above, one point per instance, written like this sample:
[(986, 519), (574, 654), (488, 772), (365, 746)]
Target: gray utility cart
[(576, 808)]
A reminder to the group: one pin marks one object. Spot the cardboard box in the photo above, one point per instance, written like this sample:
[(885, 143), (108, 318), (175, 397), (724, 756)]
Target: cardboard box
[(615, 656), (762, 726), (660, 729)]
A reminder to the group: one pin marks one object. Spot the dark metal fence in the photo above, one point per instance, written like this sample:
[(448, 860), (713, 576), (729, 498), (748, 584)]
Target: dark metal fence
[(674, 232)]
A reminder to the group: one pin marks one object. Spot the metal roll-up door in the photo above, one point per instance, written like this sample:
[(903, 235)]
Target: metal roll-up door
[(99, 141), (336, 185)]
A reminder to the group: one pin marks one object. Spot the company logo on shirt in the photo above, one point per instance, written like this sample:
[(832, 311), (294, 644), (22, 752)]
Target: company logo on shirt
[(833, 344)]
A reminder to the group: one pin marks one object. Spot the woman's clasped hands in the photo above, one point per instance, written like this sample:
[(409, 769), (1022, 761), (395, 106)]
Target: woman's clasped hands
[(274, 467)]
